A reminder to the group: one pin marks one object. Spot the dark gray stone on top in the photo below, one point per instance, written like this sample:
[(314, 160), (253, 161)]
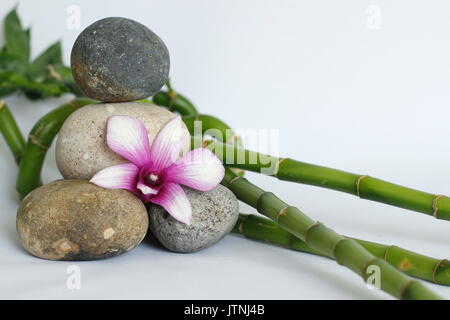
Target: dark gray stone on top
[(118, 59)]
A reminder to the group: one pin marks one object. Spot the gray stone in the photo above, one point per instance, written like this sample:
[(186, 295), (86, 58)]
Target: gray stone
[(77, 220), (118, 59), (214, 213), (81, 149)]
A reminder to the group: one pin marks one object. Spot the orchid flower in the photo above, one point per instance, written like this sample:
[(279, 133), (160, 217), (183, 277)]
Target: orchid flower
[(156, 171)]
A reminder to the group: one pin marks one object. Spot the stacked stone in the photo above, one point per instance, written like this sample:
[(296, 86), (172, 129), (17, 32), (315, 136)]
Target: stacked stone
[(115, 61), (118, 59)]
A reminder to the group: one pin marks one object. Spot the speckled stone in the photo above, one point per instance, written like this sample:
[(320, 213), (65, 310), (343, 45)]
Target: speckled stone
[(118, 59), (81, 149), (214, 214), (77, 220)]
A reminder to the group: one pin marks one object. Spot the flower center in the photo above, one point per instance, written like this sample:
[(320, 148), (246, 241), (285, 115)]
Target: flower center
[(152, 180)]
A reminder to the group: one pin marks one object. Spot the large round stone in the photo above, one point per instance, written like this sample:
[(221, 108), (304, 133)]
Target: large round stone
[(214, 213), (81, 149), (118, 59), (77, 220)]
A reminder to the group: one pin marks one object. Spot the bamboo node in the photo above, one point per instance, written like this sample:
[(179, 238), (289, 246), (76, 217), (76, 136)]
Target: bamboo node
[(309, 229), (282, 212), (436, 267), (74, 104), (38, 129), (172, 94), (358, 182), (386, 252), (241, 226), (237, 171), (334, 249), (34, 140), (241, 230), (404, 287), (277, 166), (233, 180), (291, 237), (435, 205)]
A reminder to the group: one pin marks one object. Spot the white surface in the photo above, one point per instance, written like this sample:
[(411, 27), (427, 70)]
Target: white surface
[(368, 101)]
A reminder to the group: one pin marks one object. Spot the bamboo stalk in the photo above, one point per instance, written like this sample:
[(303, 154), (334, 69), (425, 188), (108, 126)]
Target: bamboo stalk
[(412, 263), (362, 186), (39, 140), (174, 101), (11, 132), (317, 236), (365, 187)]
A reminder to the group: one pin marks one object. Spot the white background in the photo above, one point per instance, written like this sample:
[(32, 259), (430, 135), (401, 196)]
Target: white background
[(342, 95)]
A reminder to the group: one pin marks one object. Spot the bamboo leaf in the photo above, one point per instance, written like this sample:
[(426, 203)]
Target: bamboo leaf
[(6, 89), (32, 90), (11, 63), (17, 39), (6, 86), (51, 56), (35, 90)]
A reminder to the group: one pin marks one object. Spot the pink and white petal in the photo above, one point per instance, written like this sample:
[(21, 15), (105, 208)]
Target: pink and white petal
[(145, 189), (168, 143), (121, 176), (199, 169), (173, 198), (128, 137)]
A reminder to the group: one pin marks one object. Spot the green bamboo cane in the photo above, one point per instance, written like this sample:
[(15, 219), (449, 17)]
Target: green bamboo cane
[(412, 263), (317, 236), (174, 101), (39, 140), (11, 132), (362, 186)]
